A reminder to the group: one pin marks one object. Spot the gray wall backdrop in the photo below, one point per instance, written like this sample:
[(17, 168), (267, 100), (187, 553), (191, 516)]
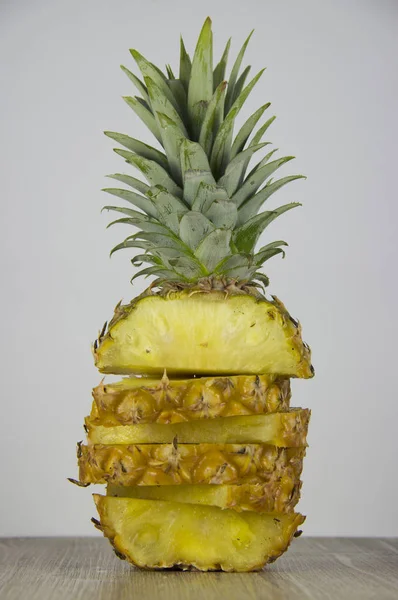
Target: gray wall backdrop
[(332, 80)]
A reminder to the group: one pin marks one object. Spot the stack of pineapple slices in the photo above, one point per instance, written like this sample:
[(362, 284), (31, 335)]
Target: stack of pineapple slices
[(199, 448), (204, 471)]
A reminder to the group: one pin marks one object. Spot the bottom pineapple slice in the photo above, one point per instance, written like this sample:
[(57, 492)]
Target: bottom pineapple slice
[(157, 534), (257, 497)]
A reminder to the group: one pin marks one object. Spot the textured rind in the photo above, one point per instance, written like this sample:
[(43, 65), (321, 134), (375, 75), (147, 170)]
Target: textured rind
[(299, 353), (286, 429), (172, 464), (124, 545), (131, 400), (262, 498)]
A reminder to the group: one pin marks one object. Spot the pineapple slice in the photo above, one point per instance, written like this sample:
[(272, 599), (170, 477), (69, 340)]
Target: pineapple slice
[(157, 534), (203, 333), (279, 429), (136, 400), (175, 464), (258, 497)]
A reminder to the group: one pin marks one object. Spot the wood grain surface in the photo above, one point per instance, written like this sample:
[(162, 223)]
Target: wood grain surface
[(87, 569)]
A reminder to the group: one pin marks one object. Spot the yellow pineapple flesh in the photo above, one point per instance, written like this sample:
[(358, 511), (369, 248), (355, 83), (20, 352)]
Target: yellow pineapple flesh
[(160, 534), (280, 429), (259, 497), (176, 464), (138, 400), (203, 334)]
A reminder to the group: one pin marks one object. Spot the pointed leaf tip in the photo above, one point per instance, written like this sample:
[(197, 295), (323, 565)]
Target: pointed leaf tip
[(235, 72), (200, 88), (135, 54)]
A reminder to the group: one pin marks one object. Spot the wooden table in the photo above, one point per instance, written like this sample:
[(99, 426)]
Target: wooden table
[(87, 569)]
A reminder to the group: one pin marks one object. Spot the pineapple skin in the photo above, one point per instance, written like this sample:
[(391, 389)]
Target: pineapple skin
[(203, 333), (288, 429), (136, 400), (156, 534), (262, 498), (172, 464)]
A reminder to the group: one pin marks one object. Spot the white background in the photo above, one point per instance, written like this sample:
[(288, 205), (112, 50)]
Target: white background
[(332, 78)]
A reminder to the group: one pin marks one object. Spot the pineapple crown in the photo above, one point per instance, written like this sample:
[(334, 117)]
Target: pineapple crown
[(199, 214)]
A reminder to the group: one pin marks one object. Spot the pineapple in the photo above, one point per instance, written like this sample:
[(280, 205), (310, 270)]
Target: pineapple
[(198, 445), (175, 464), (258, 497), (280, 429), (134, 400), (202, 333), (189, 534)]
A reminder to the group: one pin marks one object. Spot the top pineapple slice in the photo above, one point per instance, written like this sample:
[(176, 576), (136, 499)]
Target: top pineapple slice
[(204, 333), (198, 225)]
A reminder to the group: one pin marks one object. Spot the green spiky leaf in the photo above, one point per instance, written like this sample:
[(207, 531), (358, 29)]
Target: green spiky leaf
[(161, 104), (262, 278), (189, 267), (165, 115), (169, 208), (193, 157), (221, 152), (219, 71), (213, 248), (194, 226), (185, 65), (144, 114), (259, 135), (195, 169), (133, 214), (206, 194), (236, 261), (172, 138), (169, 72), (129, 243), (246, 236), (149, 70), (180, 95), (256, 178), (252, 206), (137, 200), (137, 82), (236, 169), (134, 183), (153, 172), (246, 130), (240, 83), (268, 251), (213, 118), (139, 148), (193, 179), (234, 74), (223, 214), (200, 89), (168, 274), (139, 259)]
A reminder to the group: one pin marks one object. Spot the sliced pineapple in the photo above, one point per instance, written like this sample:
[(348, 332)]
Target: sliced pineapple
[(156, 534), (279, 429), (136, 400), (174, 464), (203, 333), (258, 497)]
